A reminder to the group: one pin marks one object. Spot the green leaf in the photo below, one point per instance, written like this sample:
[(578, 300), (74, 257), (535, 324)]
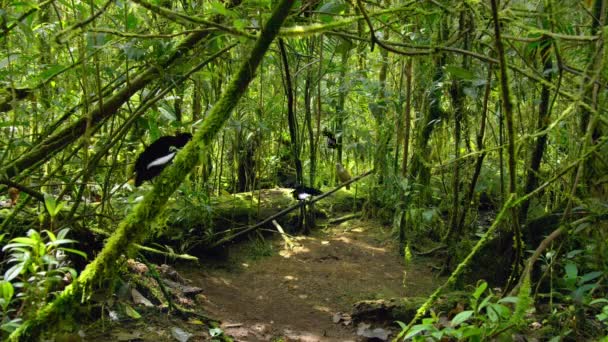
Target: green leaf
[(219, 8), (509, 299), (12, 325), (215, 332), (484, 303), (428, 215), (14, 271), (480, 290), (330, 8), (571, 271), (492, 314), (50, 234), (132, 312), (75, 251), (60, 242), (502, 311), (590, 276), (63, 233), (471, 332), (460, 73), (461, 317), (50, 203), (401, 324), (6, 291), (599, 300), (419, 328)]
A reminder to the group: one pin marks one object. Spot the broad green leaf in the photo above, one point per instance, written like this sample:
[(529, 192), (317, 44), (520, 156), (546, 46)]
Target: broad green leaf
[(329, 9), (50, 203), (590, 276), (51, 235), (14, 271), (461, 317), (470, 332), (419, 328), (509, 299), (75, 251), (428, 215), (401, 324), (56, 243), (24, 240), (11, 326), (571, 270), (480, 290), (6, 291), (484, 302), (492, 314), (460, 73), (214, 332), (132, 312), (501, 310), (63, 233), (599, 300)]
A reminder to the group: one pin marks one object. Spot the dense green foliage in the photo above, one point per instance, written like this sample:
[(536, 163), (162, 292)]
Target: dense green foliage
[(463, 109)]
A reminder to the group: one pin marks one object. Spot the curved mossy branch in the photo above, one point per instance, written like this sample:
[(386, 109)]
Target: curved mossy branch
[(134, 227), (462, 266)]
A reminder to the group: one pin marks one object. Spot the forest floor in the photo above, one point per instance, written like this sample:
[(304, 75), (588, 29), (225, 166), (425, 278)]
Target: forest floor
[(294, 294), (268, 292)]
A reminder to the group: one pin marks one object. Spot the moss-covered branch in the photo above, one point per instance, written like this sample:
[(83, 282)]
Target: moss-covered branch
[(133, 228), (462, 266)]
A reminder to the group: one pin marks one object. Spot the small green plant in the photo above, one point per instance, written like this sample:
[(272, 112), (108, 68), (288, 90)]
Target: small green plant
[(575, 298), (487, 318), (53, 208), (38, 268)]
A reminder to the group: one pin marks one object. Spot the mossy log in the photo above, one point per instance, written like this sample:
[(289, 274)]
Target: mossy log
[(247, 211)]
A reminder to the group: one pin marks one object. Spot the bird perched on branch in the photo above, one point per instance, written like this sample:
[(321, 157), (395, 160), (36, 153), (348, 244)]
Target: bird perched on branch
[(343, 175), (158, 155), (332, 142), (301, 192)]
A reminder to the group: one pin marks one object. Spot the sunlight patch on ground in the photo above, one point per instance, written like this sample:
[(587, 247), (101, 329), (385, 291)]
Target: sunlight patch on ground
[(221, 281), (288, 253), (323, 308), (360, 244)]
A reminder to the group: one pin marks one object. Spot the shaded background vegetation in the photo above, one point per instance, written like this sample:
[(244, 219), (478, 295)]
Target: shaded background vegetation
[(452, 109)]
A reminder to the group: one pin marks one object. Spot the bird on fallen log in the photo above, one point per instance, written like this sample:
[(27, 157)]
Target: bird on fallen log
[(302, 193)]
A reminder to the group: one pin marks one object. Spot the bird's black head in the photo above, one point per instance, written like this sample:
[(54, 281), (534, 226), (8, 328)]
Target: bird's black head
[(182, 139)]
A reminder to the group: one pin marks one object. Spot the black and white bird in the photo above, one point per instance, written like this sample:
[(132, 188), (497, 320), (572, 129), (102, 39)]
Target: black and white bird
[(302, 193), (158, 155), (332, 142)]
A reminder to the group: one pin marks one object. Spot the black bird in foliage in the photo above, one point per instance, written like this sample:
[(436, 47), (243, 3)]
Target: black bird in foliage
[(301, 192), (158, 155), (332, 142)]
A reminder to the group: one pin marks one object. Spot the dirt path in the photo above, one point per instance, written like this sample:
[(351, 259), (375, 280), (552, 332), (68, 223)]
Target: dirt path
[(292, 295)]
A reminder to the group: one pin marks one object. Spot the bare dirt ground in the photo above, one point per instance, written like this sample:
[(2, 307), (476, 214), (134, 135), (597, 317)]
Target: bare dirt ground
[(293, 294)]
